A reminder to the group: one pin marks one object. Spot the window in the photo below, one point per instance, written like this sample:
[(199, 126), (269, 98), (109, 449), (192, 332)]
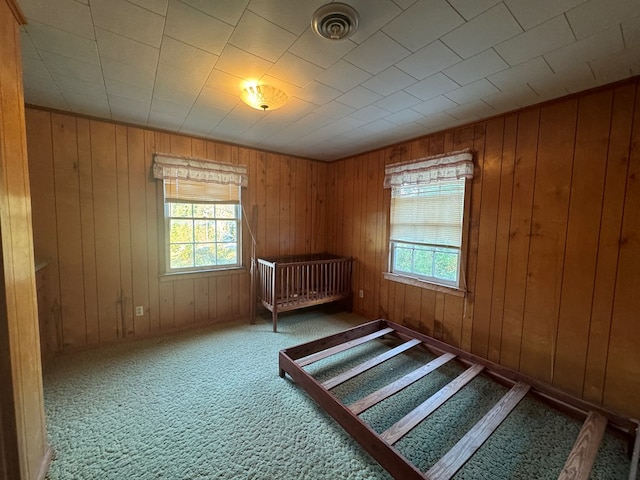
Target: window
[(427, 218), (202, 213)]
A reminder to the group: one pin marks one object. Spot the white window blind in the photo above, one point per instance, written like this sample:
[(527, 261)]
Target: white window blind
[(428, 214), (427, 217), (177, 190)]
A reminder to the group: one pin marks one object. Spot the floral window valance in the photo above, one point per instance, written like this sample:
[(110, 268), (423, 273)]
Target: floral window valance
[(447, 166), (198, 170)]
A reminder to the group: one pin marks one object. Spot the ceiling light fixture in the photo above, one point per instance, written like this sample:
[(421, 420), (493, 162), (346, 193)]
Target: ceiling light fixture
[(263, 97), (335, 21)]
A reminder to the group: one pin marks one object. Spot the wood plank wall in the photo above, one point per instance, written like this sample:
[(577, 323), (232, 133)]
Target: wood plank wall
[(24, 453), (96, 217), (553, 266)]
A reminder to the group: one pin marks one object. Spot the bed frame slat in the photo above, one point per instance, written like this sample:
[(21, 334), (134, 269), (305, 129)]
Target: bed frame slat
[(420, 413), (386, 453), (583, 454), (342, 347), (400, 384), (462, 451), (363, 367)]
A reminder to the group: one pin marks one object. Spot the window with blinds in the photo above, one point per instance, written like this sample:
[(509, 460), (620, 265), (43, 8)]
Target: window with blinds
[(202, 213), (427, 218), (202, 223)]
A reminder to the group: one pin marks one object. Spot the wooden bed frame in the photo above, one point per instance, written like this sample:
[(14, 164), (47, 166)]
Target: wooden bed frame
[(297, 281), (380, 446)]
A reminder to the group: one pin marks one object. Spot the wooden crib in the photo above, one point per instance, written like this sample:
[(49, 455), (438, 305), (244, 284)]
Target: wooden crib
[(297, 281)]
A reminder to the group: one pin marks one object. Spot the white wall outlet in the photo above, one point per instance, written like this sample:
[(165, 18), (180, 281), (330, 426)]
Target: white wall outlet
[(361, 293), (139, 311)]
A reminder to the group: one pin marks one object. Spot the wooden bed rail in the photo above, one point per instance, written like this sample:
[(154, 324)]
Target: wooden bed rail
[(381, 446)]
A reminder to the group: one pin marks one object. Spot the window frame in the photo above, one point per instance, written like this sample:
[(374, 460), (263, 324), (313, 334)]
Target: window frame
[(425, 282), (205, 268), (172, 168)]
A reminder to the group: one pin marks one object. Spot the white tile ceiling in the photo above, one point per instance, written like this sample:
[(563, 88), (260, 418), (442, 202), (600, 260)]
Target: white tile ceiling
[(413, 66)]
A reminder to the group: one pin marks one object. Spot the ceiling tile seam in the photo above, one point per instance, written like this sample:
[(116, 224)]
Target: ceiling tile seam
[(205, 13), (204, 83), (575, 37), (155, 78), (104, 83), (273, 62), (145, 8), (514, 17), (38, 48)]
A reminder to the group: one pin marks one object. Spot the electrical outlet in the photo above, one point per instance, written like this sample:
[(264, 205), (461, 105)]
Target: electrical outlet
[(361, 293), (139, 311)]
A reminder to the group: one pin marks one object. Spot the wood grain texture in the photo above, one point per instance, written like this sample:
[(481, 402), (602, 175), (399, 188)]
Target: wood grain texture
[(584, 451), (553, 185), (23, 446), (403, 426), (400, 384), (455, 458)]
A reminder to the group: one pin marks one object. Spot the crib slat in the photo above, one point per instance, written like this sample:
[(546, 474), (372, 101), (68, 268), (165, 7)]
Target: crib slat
[(393, 388)]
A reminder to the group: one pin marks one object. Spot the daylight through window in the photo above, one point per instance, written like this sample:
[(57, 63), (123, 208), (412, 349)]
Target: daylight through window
[(202, 214), (427, 218)]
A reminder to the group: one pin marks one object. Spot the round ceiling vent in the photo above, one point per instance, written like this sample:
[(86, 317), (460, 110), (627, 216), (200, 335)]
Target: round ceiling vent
[(335, 21)]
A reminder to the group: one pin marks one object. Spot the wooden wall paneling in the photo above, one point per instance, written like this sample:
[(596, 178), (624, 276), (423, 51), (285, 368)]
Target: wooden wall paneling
[(87, 231), (413, 303), (624, 100), (381, 245), (153, 192), (183, 302), (125, 305), (245, 158), (519, 237), (224, 291), (166, 286), (261, 201), (585, 208), (68, 218), (106, 225), (502, 237), (622, 382), (372, 186), (235, 298), (212, 284), (356, 232), (137, 179), (319, 187), (302, 210), (22, 395), (284, 187), (486, 200), (385, 306), (338, 210), (452, 314), (272, 214), (427, 311), (167, 312), (547, 246), (439, 318), (453, 321), (469, 253), (43, 207)]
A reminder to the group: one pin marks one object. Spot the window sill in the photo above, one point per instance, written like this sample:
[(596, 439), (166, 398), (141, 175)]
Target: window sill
[(424, 284), (169, 277)]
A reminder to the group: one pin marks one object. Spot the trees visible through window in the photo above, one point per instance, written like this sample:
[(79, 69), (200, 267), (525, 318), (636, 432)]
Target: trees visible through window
[(202, 213), (202, 235), (427, 218)]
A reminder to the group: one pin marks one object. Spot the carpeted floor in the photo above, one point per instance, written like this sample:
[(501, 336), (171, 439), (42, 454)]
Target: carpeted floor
[(209, 404)]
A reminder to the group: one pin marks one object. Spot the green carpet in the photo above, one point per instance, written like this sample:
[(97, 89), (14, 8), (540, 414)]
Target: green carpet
[(209, 404)]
